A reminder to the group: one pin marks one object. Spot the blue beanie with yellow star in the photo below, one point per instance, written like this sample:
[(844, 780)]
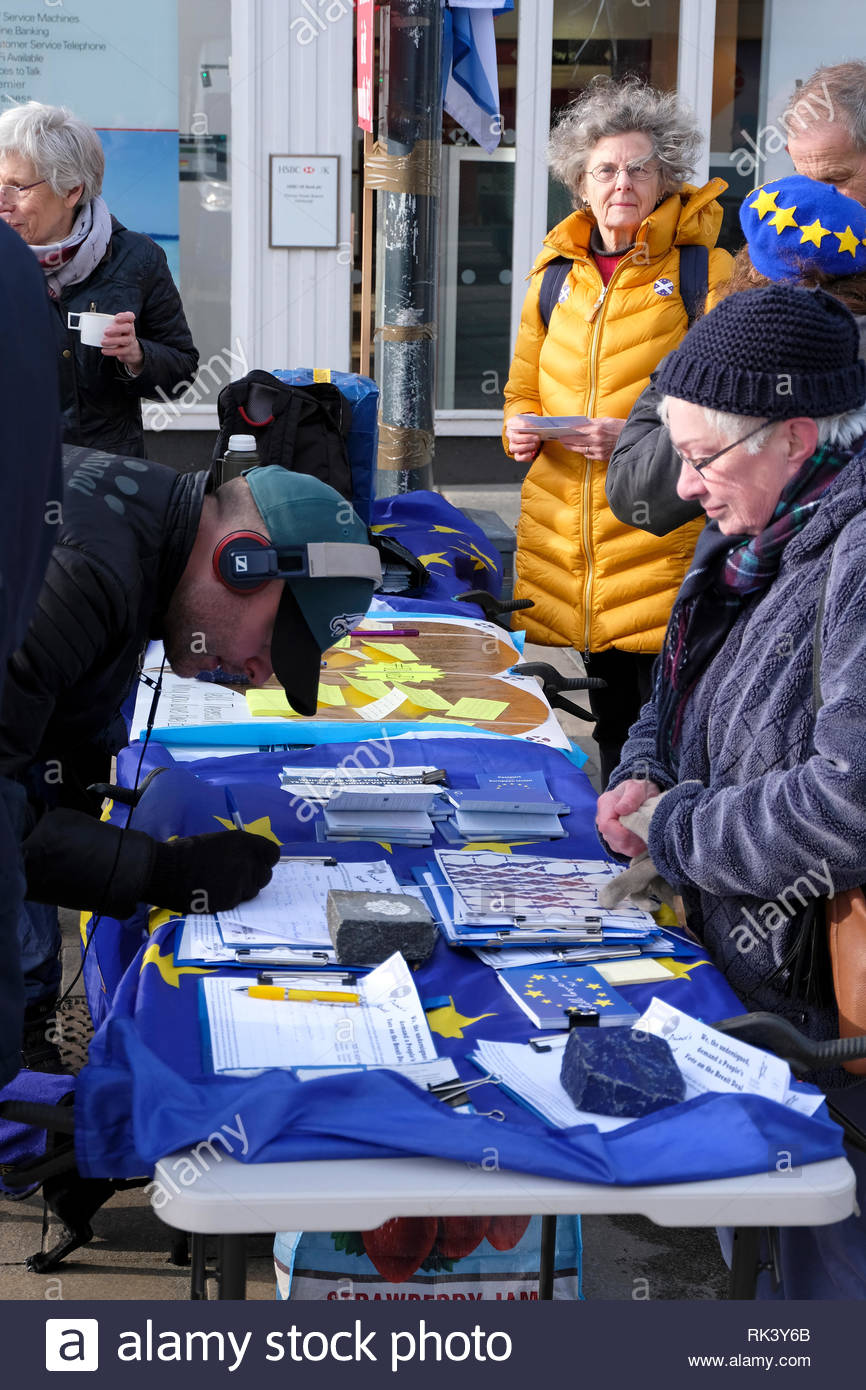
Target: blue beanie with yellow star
[(796, 223)]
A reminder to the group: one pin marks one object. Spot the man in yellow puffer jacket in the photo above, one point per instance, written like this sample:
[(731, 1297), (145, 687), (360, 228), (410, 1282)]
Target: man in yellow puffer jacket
[(596, 584)]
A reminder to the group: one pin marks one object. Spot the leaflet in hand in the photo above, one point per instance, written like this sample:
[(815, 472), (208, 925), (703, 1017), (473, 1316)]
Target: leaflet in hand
[(551, 426)]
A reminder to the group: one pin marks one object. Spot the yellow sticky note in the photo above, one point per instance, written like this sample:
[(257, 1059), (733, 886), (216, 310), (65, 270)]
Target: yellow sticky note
[(270, 704), (469, 708), (427, 699), (394, 650), (331, 695), (375, 689), (398, 671), (342, 645)]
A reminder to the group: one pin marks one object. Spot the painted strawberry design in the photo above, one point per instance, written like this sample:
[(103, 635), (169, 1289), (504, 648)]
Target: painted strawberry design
[(504, 1232), (399, 1247), (459, 1235)]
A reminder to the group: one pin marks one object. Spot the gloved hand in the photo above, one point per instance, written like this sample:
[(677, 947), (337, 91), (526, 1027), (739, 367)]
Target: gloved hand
[(641, 883), (210, 873)]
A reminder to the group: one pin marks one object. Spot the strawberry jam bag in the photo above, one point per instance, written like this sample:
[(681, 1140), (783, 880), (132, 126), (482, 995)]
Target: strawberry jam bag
[(417, 1259)]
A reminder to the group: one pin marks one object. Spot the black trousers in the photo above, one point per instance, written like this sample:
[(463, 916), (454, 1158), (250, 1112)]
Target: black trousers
[(629, 685)]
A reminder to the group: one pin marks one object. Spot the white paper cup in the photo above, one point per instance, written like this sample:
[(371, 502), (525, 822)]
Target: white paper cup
[(91, 327)]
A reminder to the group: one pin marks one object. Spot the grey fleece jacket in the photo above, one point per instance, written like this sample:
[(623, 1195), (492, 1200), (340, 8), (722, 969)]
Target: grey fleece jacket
[(768, 805)]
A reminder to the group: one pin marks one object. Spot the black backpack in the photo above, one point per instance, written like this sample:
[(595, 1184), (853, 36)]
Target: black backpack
[(302, 428), (694, 282)]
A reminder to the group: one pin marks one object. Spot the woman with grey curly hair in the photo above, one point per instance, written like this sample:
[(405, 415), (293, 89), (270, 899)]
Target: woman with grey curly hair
[(606, 302), (51, 168)]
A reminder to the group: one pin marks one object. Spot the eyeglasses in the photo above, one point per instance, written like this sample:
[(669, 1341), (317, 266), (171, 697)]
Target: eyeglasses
[(637, 173), (700, 464), (11, 192)]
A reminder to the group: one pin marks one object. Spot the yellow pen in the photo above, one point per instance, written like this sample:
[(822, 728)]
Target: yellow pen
[(318, 996)]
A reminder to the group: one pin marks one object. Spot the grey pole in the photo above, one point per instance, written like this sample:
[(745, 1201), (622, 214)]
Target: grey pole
[(405, 169)]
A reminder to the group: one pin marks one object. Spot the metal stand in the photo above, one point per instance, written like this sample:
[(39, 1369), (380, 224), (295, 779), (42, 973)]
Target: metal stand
[(232, 1260), (548, 1258)]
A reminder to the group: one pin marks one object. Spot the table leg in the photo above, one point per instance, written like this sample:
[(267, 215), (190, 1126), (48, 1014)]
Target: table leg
[(548, 1257), (198, 1256), (232, 1256), (745, 1262)]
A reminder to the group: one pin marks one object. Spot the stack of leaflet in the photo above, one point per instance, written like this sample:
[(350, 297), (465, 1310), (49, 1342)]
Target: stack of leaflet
[(505, 806), (494, 901), (398, 804)]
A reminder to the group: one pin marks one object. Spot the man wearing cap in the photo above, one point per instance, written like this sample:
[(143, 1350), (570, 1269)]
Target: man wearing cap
[(261, 575), (731, 788)]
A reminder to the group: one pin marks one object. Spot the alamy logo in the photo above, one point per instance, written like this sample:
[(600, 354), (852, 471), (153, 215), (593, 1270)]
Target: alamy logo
[(71, 1344)]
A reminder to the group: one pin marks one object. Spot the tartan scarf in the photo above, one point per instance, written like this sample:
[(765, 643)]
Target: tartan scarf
[(726, 572)]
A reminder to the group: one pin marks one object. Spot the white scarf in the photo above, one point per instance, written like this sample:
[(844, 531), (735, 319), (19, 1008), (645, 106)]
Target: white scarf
[(90, 235)]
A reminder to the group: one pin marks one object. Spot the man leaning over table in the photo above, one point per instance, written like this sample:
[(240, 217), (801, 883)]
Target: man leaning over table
[(731, 786), (145, 553)]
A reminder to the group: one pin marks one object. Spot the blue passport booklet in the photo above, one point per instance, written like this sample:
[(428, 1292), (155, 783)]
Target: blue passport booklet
[(544, 993)]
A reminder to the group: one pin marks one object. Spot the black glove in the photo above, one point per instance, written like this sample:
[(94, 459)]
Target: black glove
[(210, 873)]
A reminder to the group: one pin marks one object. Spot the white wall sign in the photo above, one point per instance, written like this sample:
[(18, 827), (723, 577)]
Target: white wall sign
[(304, 201)]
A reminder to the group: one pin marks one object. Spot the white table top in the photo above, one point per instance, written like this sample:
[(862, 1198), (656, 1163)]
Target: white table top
[(228, 1197)]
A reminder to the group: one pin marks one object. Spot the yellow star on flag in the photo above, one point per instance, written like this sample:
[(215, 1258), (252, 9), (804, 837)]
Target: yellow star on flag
[(260, 826), (847, 241), (435, 558), (680, 968), (170, 972), (448, 1022), (764, 202), (813, 232), (784, 218)]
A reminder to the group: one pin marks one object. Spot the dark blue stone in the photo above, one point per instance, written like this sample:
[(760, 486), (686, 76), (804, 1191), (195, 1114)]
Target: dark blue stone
[(618, 1071)]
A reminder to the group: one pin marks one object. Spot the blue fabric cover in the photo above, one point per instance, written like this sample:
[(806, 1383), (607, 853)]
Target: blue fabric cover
[(144, 1093)]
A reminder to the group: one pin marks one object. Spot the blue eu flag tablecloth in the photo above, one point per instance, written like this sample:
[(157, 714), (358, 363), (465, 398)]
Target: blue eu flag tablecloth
[(144, 1092)]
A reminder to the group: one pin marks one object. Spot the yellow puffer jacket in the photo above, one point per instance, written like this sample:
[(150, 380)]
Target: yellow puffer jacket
[(595, 582)]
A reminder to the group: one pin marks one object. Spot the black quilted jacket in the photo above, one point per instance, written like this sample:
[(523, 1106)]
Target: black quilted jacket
[(101, 403), (127, 532)]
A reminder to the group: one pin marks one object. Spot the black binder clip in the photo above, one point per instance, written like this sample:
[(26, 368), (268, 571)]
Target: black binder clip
[(582, 1018)]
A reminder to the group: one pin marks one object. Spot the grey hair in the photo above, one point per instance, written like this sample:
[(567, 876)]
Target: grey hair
[(617, 108), (840, 431), (62, 149), (830, 94)]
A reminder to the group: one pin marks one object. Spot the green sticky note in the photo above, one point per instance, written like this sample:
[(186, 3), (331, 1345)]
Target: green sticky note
[(469, 708)]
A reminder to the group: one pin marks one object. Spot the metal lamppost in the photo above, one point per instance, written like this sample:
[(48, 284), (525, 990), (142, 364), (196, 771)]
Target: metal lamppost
[(405, 169)]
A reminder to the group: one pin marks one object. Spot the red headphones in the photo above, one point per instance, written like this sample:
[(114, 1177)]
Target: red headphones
[(243, 561)]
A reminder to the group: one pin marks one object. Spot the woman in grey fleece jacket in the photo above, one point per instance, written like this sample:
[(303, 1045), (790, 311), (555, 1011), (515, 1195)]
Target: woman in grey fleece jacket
[(748, 804)]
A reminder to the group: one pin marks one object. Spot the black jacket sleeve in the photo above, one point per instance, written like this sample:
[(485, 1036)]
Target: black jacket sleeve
[(70, 858), (641, 479), (170, 356)]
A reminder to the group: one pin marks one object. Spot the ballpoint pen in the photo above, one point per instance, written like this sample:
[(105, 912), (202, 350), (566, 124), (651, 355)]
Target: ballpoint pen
[(233, 810), (309, 996)]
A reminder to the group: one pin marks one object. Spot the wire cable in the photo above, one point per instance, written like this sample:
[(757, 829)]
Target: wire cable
[(151, 719)]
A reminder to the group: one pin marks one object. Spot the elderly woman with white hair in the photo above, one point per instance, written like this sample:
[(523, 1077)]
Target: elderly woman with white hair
[(623, 259), (743, 781), (51, 169)]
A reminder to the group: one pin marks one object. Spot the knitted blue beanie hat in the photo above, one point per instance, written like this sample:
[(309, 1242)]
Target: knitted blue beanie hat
[(777, 352)]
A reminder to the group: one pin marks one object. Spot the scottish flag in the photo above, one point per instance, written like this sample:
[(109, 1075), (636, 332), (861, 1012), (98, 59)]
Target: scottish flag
[(470, 76)]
